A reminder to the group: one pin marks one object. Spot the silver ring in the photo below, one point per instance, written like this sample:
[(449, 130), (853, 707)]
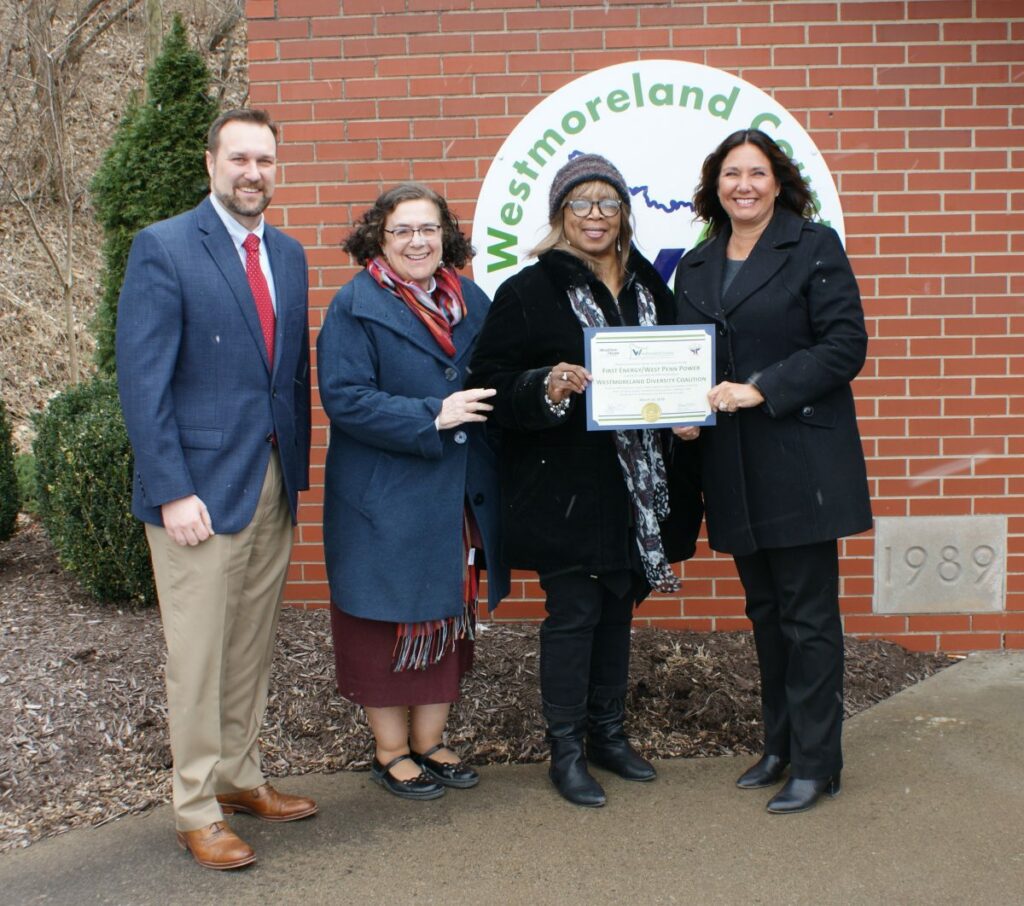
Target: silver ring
[(565, 375)]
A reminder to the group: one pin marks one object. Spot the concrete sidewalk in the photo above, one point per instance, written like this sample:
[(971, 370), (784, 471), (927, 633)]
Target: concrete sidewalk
[(932, 812)]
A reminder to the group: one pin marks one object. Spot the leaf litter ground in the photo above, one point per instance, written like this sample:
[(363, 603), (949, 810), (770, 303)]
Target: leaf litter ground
[(83, 714)]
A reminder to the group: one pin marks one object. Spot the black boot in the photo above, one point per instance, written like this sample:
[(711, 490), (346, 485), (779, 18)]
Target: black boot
[(607, 743), (766, 772), (799, 794), (568, 770)]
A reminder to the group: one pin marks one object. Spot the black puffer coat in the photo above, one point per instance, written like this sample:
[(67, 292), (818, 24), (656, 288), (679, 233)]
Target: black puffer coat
[(564, 500)]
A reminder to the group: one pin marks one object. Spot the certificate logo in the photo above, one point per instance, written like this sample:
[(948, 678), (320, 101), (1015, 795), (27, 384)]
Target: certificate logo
[(651, 412), (656, 120)]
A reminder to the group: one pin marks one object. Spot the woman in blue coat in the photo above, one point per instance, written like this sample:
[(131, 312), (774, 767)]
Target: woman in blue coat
[(410, 496)]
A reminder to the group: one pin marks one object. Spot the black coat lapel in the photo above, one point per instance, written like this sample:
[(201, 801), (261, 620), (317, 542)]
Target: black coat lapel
[(765, 260), (699, 277)]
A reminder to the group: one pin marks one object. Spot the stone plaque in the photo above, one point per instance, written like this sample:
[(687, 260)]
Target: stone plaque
[(940, 564)]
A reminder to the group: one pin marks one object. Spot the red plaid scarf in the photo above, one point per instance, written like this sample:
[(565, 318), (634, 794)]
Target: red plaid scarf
[(421, 645), (439, 313)]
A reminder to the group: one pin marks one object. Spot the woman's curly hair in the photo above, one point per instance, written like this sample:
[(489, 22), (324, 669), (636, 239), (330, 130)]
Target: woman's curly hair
[(366, 241)]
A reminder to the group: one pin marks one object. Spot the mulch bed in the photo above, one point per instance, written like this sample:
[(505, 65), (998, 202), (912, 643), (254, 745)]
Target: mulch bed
[(83, 717)]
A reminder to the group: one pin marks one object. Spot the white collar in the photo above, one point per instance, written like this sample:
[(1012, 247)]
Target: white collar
[(235, 230)]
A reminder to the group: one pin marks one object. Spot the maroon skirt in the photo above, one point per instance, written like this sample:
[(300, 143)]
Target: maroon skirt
[(363, 653)]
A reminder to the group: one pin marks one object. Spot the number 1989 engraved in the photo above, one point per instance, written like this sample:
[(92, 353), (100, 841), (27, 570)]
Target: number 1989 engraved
[(947, 566)]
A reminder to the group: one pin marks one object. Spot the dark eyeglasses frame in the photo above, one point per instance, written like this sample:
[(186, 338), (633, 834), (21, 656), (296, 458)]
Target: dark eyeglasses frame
[(435, 230), (606, 207)]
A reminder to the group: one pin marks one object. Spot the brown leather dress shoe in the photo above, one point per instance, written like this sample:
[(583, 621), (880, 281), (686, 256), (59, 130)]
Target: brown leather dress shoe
[(267, 803), (216, 846)]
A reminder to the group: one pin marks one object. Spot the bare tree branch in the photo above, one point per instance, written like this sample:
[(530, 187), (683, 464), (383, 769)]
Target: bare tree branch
[(82, 43), (223, 29)]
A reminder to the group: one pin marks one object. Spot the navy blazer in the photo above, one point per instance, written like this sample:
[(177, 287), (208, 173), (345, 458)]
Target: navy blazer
[(201, 402), (395, 488), (790, 471)]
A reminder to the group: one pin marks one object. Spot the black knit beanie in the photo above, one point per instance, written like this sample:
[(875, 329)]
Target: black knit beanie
[(585, 168)]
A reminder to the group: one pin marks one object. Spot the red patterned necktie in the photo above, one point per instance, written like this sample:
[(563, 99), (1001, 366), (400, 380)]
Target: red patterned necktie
[(260, 292)]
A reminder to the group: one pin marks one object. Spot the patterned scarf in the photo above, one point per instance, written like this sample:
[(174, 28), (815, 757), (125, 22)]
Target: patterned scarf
[(439, 315), (421, 645), (639, 452)]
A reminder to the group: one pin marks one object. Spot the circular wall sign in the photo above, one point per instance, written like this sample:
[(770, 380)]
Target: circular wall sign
[(656, 120)]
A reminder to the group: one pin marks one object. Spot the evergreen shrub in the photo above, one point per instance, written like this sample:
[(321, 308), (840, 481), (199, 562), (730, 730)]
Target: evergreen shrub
[(84, 471), (10, 497), (154, 169), (25, 467)]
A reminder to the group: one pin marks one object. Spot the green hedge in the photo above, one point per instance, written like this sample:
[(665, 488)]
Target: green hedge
[(25, 466), (84, 473), (10, 498)]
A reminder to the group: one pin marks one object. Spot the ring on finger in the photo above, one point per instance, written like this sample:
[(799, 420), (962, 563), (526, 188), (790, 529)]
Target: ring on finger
[(565, 375)]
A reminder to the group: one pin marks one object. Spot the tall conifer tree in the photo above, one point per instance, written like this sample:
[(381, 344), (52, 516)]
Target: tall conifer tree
[(153, 170)]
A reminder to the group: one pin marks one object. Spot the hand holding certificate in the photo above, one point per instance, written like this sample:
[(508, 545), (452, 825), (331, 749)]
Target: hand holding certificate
[(649, 377)]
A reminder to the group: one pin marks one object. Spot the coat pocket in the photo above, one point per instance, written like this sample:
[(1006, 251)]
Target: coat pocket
[(820, 415), (377, 488), (553, 513), (201, 438)]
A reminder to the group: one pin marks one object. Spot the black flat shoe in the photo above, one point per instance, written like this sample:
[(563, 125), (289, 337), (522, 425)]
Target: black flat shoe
[(458, 775), (422, 786), (767, 772), (798, 795)]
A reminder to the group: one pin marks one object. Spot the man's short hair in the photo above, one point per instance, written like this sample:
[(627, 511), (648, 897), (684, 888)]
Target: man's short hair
[(242, 115)]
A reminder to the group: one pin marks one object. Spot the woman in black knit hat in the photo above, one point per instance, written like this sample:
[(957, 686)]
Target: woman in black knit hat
[(589, 511)]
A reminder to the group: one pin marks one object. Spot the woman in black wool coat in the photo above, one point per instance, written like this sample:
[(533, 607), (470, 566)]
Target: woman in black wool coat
[(783, 469), (589, 511)]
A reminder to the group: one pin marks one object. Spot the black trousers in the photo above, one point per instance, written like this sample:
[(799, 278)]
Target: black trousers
[(793, 601), (584, 642)]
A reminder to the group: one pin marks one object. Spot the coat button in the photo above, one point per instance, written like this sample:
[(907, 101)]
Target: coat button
[(722, 330), (451, 374), (807, 411), (459, 437), (478, 499), (727, 371)]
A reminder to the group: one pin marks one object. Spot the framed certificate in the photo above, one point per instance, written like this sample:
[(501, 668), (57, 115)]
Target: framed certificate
[(649, 377)]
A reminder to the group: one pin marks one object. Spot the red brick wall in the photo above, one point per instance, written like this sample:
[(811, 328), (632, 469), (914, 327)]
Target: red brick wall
[(918, 107)]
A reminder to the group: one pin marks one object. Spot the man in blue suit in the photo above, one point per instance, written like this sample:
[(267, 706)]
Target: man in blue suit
[(213, 372)]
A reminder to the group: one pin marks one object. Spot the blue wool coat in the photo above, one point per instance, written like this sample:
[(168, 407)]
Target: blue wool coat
[(395, 487)]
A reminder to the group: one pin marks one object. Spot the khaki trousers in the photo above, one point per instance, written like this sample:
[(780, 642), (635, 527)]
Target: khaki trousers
[(219, 603)]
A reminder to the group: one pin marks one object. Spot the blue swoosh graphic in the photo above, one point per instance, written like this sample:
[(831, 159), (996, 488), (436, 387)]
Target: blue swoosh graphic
[(671, 207)]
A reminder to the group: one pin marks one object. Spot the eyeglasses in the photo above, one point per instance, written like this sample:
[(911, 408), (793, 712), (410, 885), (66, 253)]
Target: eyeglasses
[(405, 234), (607, 207)]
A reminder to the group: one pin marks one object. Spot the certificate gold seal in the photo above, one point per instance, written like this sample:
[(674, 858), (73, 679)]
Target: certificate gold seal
[(651, 412)]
